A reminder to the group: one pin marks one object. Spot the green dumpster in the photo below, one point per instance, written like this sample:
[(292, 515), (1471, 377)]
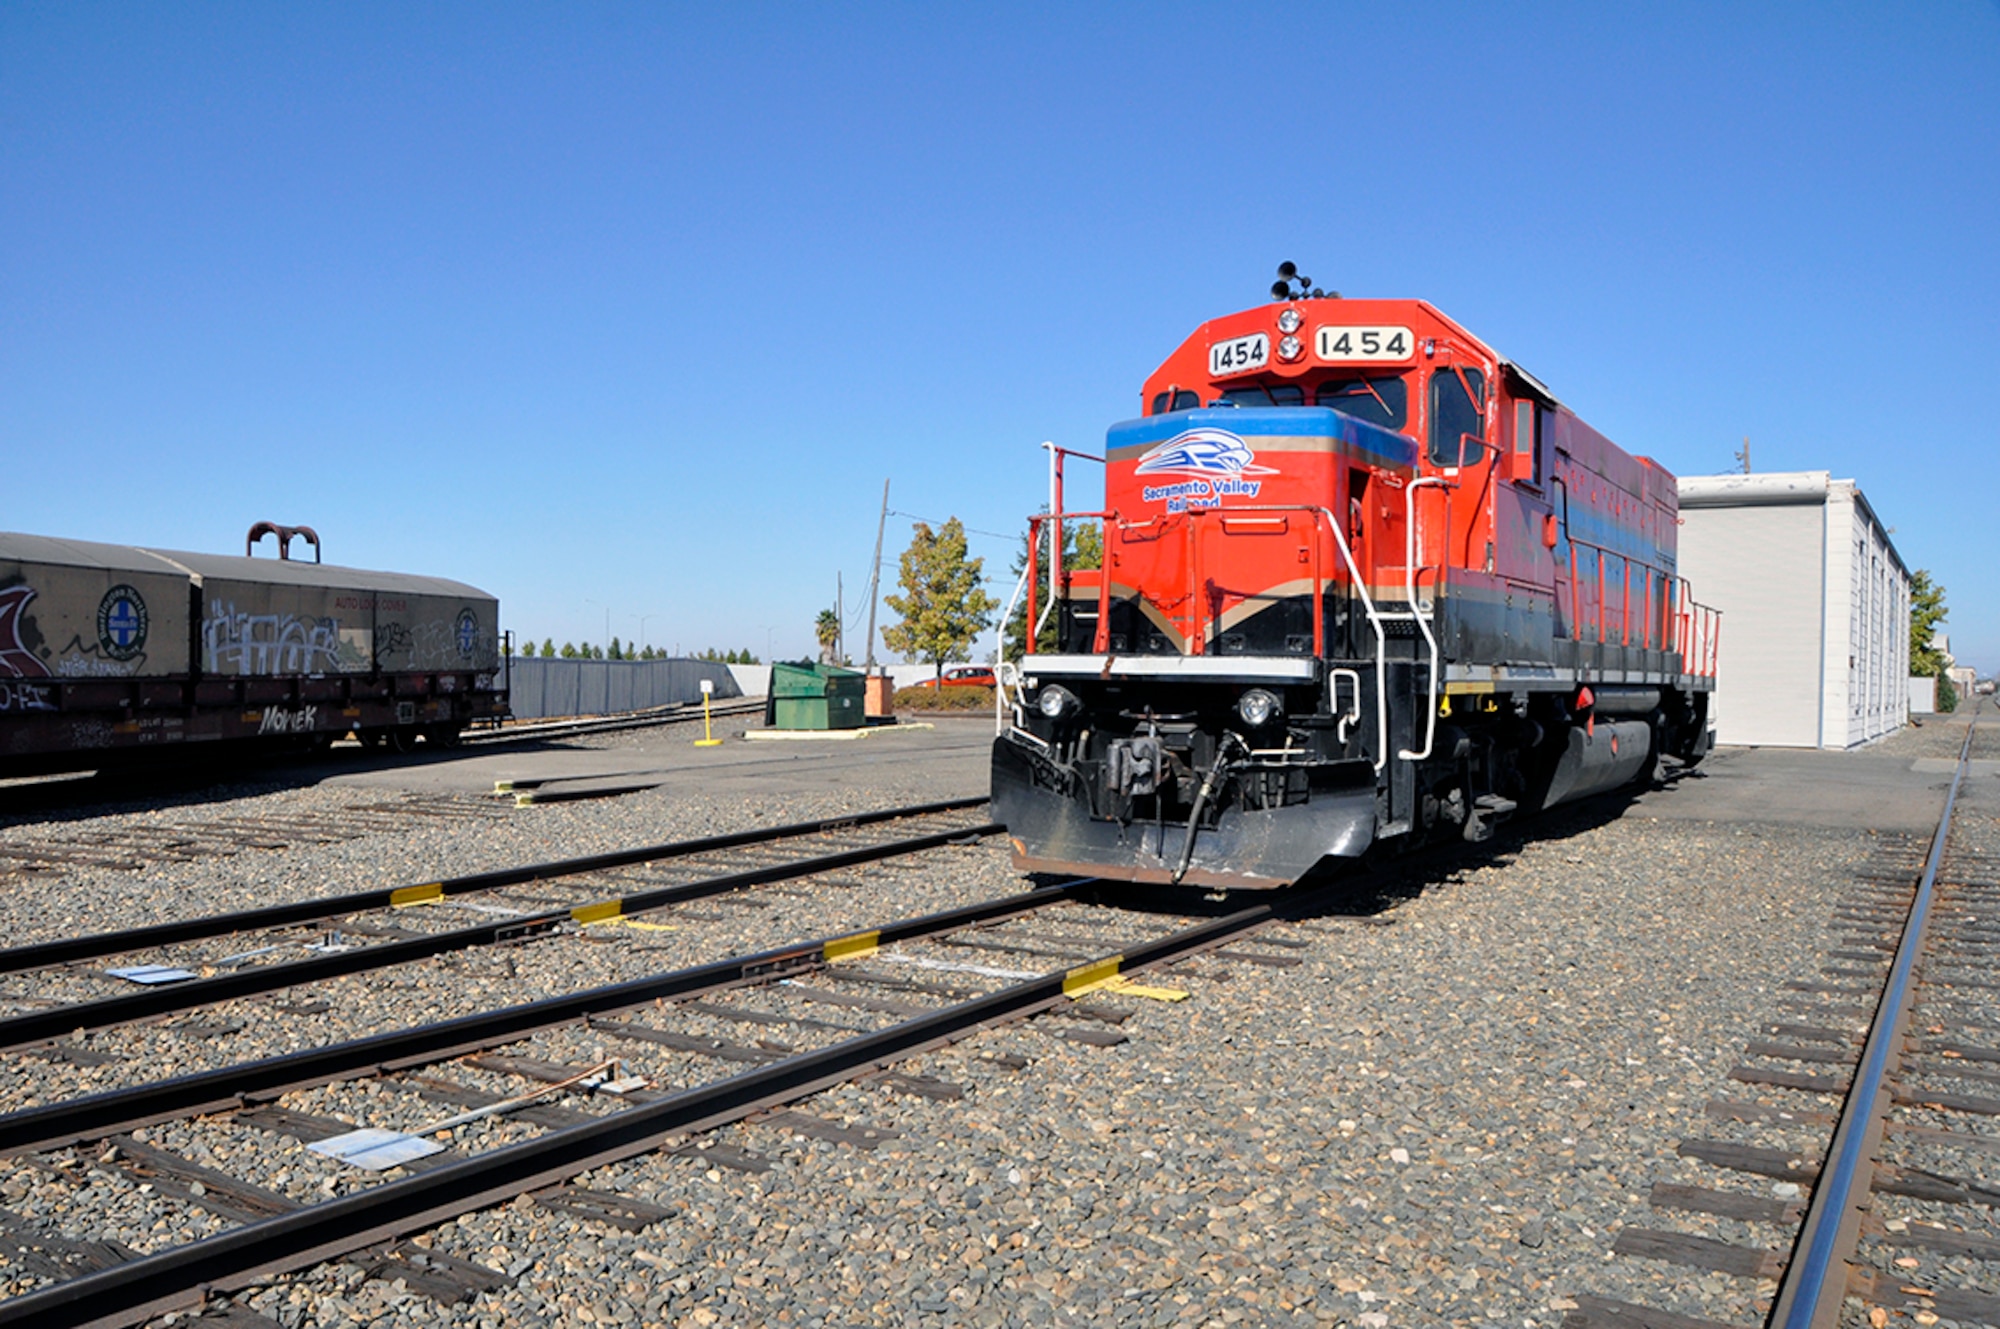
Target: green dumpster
[(815, 697)]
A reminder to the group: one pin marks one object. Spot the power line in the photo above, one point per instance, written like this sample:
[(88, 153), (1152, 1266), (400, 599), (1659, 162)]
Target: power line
[(969, 530)]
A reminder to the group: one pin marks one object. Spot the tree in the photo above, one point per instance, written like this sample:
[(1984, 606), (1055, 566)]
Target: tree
[(1083, 550), (943, 606), (1927, 610), (527, 650), (617, 651), (826, 627), (548, 648), (568, 651)]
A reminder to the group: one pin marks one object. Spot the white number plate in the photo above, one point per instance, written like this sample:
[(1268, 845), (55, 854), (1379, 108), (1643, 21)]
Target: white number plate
[(1239, 355), (1331, 343)]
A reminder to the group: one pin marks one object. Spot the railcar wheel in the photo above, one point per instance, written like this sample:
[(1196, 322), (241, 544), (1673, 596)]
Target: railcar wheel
[(403, 738), (444, 735)]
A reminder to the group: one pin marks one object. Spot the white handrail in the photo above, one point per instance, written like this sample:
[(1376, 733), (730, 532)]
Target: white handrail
[(1367, 604), (1055, 535), (1002, 665), (1417, 613)]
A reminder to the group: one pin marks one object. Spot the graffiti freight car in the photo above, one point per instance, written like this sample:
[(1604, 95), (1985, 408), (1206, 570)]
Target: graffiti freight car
[(109, 652)]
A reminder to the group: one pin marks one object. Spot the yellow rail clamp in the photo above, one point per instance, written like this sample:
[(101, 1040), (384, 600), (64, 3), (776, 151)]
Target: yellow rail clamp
[(524, 800), (856, 947), (1089, 977), (412, 895), (503, 786), (597, 913), (1127, 988)]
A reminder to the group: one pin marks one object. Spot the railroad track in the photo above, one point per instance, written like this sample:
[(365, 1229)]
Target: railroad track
[(782, 1024), (51, 990), (70, 791), (142, 845), (1866, 1191), (679, 713)]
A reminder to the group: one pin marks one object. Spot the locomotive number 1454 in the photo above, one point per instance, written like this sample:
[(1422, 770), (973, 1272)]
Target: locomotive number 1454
[(1239, 355), (1356, 343)]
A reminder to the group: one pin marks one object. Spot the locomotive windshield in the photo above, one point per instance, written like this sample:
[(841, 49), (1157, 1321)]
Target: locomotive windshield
[(1257, 394), (1383, 400)]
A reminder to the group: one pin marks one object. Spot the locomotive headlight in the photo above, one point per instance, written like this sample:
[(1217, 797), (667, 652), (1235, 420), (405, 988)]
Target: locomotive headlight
[(1259, 707), (1289, 348), (1289, 321), (1057, 702)]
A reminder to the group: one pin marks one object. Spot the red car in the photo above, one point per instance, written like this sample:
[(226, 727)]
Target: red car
[(963, 676)]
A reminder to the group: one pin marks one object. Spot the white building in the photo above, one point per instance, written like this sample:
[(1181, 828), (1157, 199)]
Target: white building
[(1815, 605)]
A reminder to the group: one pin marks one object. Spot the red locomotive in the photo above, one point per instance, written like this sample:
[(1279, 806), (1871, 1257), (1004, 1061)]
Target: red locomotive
[(1361, 579)]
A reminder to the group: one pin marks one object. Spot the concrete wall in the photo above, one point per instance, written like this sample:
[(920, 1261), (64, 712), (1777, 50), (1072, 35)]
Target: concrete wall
[(539, 687)]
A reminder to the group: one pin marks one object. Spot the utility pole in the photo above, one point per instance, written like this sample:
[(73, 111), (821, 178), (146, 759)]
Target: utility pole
[(875, 575), (1744, 456), (839, 620)]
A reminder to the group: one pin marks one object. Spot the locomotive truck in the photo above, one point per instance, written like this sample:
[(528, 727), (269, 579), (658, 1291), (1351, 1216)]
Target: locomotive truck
[(1362, 579)]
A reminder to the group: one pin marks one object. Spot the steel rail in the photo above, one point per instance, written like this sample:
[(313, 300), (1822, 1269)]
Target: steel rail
[(35, 1027), (1815, 1282), (677, 713), (130, 1293), (56, 1125), (69, 950)]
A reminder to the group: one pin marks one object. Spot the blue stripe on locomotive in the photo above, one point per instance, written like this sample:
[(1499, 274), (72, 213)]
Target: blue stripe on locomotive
[(1384, 447)]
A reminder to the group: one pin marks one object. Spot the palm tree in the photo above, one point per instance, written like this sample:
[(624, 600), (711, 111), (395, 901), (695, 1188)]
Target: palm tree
[(827, 628)]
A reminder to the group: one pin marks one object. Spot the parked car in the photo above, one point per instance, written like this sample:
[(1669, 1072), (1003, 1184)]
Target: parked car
[(963, 676)]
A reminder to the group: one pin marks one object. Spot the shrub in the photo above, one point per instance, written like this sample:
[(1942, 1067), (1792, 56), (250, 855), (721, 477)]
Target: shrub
[(944, 699)]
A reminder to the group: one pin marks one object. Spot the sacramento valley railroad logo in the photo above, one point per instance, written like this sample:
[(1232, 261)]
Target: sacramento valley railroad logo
[(1210, 453), (121, 623)]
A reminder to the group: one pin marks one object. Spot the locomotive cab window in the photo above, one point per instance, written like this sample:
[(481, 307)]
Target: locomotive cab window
[(1379, 400), (1179, 400), (1277, 394), (1528, 442), (1458, 400)]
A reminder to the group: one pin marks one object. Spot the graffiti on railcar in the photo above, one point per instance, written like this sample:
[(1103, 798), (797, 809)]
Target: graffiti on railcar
[(288, 720), (268, 644), (25, 697), (391, 638), (81, 659), (435, 644), (19, 637)]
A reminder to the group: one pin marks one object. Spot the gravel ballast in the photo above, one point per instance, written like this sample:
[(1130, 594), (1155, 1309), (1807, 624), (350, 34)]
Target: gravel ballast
[(1441, 1115)]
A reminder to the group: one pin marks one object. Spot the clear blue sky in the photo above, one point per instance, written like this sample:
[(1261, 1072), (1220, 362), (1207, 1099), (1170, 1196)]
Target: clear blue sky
[(636, 306)]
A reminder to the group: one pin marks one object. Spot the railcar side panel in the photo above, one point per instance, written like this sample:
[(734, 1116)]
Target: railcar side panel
[(109, 650)]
